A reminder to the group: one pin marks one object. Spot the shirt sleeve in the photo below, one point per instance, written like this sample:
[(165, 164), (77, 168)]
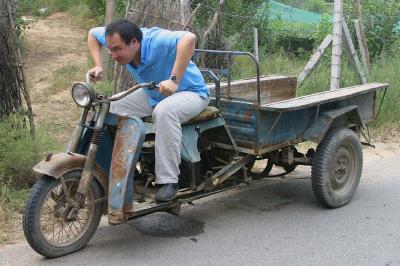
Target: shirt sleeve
[(99, 34)]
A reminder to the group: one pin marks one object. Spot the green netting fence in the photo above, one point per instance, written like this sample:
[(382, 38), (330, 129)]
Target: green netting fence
[(292, 14)]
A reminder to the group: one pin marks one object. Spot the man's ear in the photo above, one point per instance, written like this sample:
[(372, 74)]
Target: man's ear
[(134, 41)]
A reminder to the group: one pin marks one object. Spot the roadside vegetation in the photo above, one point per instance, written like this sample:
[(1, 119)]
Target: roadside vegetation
[(18, 153)]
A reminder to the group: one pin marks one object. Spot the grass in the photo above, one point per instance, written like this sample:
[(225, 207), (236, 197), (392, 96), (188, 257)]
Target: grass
[(18, 153), (61, 79), (11, 205)]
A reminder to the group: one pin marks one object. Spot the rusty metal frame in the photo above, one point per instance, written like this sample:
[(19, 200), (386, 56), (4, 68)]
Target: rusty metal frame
[(236, 53)]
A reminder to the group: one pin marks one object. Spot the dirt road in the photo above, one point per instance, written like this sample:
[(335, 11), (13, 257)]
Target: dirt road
[(52, 43)]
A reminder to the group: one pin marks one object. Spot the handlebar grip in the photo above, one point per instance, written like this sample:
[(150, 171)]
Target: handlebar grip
[(88, 76)]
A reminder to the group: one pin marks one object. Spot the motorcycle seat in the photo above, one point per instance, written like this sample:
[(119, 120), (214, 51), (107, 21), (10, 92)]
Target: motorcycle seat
[(207, 114)]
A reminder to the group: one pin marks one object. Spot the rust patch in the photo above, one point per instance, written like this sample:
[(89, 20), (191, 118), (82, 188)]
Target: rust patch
[(248, 116), (118, 164), (63, 162)]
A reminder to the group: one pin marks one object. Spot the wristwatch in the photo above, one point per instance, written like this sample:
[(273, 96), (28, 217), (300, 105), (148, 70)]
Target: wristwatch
[(174, 78)]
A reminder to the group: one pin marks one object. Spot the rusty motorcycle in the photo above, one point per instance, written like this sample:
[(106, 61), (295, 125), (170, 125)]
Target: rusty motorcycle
[(108, 167)]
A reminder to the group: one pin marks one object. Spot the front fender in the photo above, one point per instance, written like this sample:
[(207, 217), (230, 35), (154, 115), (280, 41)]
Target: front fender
[(61, 163)]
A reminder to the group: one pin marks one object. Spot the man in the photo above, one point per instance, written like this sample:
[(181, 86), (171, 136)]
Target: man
[(161, 56)]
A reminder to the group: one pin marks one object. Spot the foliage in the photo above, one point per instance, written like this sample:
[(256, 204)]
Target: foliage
[(236, 20), (19, 151), (317, 6), (380, 19), (323, 29), (20, 26)]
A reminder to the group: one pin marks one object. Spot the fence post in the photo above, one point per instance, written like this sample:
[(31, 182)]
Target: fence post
[(336, 44), (256, 43)]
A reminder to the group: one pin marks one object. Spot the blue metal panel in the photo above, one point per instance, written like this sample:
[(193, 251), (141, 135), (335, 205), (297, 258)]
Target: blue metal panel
[(103, 157), (189, 151), (277, 127), (127, 147), (241, 119)]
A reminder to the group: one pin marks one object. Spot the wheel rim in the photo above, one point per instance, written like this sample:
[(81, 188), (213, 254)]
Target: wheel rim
[(55, 230), (344, 168)]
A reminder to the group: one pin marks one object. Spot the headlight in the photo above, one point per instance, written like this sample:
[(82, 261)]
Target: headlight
[(82, 94)]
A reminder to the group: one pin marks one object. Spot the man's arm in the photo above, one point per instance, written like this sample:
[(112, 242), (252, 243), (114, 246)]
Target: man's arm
[(95, 50), (184, 52)]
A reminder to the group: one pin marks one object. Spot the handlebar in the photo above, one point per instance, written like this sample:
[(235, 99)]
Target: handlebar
[(150, 85), (88, 77)]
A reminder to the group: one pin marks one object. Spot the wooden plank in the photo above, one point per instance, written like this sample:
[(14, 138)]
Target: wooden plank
[(322, 97), (315, 58), (352, 54), (273, 88), (336, 44)]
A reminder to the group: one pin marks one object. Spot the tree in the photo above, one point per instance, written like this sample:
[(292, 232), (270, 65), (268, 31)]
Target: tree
[(12, 79)]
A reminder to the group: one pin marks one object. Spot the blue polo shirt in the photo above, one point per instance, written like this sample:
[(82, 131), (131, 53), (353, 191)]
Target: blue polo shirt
[(158, 53)]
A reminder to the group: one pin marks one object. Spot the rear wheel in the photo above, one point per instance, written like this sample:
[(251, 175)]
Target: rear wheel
[(44, 221), (336, 168)]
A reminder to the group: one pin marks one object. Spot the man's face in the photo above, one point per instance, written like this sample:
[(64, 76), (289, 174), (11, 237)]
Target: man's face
[(120, 51)]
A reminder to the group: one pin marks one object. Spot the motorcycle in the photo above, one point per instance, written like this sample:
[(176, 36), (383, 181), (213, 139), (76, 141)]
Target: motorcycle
[(108, 168)]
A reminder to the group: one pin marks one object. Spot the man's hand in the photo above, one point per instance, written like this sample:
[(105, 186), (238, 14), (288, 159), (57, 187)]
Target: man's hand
[(168, 87), (96, 73)]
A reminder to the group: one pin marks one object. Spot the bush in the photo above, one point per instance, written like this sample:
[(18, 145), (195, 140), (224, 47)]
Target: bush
[(317, 6), (380, 19), (19, 151)]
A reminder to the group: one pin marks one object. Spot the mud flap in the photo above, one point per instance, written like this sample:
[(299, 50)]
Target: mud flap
[(127, 147)]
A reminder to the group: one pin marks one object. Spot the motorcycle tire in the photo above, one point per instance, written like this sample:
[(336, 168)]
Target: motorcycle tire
[(48, 193)]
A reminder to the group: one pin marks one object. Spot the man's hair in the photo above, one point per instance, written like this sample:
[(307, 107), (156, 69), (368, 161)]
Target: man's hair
[(126, 29)]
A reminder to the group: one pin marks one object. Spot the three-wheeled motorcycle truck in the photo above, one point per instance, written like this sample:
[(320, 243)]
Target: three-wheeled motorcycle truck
[(108, 167)]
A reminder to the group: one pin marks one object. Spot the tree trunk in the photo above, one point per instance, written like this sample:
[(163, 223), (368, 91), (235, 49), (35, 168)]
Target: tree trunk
[(185, 11), (212, 25), (12, 78), (107, 62)]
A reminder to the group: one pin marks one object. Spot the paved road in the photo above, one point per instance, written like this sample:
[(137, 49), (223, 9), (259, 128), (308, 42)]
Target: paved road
[(273, 222)]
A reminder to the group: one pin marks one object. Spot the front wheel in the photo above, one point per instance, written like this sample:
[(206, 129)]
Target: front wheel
[(45, 225), (336, 168)]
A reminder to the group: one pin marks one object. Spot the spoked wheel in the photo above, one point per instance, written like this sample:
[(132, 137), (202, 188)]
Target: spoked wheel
[(45, 222), (336, 168)]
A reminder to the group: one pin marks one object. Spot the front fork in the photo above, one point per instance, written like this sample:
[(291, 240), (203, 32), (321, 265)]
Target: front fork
[(87, 173)]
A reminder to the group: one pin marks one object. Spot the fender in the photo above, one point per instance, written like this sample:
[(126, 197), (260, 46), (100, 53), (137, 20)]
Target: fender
[(61, 163), (344, 117)]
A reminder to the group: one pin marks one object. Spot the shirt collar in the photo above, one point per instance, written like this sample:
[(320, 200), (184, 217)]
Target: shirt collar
[(143, 46)]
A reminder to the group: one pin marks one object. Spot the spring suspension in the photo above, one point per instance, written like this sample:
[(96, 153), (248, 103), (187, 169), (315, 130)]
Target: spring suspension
[(96, 137)]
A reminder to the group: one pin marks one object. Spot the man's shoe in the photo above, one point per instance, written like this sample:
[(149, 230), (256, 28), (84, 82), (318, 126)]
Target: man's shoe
[(166, 192)]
